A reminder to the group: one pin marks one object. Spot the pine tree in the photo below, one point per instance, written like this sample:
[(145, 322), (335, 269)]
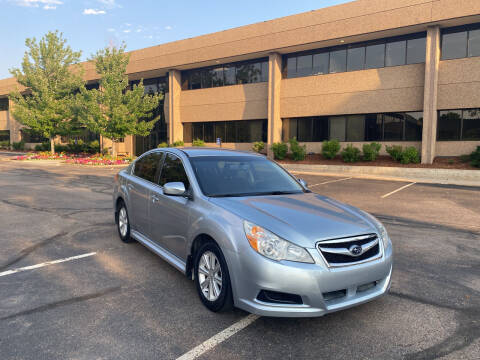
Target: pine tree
[(51, 74), (114, 110)]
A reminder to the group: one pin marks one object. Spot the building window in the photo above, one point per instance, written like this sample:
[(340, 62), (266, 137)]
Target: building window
[(416, 50), (375, 54), (159, 131), (240, 131), (92, 86), (461, 42), (396, 53), (338, 61), (458, 125), (3, 104), (352, 128), (4, 135), (356, 58), (30, 136), (246, 72)]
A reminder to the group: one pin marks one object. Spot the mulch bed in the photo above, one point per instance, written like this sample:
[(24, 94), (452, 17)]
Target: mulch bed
[(438, 163)]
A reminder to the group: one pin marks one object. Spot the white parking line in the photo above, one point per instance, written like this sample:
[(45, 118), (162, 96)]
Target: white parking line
[(330, 181), (393, 192), (218, 338), (31, 267)]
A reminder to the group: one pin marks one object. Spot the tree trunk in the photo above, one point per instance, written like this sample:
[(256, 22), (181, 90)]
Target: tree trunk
[(52, 145), (114, 150)]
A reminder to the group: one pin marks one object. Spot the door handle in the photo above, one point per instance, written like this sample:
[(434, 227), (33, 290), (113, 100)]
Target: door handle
[(155, 198)]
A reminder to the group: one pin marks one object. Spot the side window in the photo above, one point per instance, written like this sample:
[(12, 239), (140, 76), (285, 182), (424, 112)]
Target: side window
[(173, 171), (148, 166)]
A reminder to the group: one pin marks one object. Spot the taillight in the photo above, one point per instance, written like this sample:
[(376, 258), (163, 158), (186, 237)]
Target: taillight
[(116, 177)]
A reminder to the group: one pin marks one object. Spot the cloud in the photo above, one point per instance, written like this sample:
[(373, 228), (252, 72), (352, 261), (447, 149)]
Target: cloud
[(127, 31), (110, 3), (48, 4), (111, 30), (94, 12), (168, 27)]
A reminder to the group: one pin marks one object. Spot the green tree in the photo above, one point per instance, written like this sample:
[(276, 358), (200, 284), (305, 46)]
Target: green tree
[(114, 110), (51, 74)]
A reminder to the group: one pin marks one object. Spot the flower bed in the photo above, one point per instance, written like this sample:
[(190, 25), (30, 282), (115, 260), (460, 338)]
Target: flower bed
[(81, 159)]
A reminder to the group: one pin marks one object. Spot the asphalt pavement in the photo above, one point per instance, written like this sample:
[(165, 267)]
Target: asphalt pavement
[(103, 299)]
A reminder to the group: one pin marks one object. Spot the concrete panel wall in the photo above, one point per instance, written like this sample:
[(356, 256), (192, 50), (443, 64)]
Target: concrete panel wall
[(369, 91), (455, 148), (238, 102), (459, 83), (4, 120)]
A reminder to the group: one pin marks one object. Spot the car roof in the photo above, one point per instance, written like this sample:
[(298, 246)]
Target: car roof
[(206, 151)]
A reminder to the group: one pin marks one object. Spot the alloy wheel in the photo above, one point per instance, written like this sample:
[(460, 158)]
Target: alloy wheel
[(123, 222), (210, 276)]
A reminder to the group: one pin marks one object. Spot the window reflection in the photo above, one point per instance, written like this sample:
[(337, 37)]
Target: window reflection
[(395, 51), (239, 131), (368, 127), (458, 124), (230, 74)]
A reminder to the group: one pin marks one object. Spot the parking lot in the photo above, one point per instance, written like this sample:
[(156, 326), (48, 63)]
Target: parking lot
[(106, 299)]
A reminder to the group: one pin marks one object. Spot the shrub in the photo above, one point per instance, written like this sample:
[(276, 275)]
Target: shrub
[(178, 143), (162, 145), (42, 147), (465, 158), (370, 151), (258, 146), (330, 148), (475, 157), (351, 154), (93, 147), (410, 155), (61, 148), (279, 150), (298, 152), (198, 142), (4, 144), (76, 146), (395, 151), (19, 145)]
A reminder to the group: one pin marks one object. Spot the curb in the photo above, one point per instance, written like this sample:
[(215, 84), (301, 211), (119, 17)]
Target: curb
[(433, 176)]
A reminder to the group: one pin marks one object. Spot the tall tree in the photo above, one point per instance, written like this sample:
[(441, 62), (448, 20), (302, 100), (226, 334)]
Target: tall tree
[(51, 74), (115, 110)]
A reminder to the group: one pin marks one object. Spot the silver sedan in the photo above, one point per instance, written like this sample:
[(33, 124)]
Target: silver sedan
[(250, 234)]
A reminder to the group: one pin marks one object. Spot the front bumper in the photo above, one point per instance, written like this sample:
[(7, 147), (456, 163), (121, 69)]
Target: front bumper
[(352, 285)]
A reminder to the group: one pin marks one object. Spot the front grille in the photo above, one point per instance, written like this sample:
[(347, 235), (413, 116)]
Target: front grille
[(350, 250)]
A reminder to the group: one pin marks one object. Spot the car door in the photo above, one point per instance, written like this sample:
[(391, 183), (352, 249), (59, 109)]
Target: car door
[(146, 170), (169, 215)]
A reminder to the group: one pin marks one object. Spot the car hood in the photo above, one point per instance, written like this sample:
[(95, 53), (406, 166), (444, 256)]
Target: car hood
[(302, 219)]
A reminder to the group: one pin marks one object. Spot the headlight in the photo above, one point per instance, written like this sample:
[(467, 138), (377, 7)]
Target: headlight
[(383, 234), (271, 246), (381, 229)]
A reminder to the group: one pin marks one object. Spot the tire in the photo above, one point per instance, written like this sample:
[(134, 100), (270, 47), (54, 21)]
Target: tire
[(215, 298), (123, 223)]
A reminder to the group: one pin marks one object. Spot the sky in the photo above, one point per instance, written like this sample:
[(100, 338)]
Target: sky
[(89, 25)]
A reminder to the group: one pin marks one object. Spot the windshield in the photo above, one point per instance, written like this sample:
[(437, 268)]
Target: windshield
[(223, 176)]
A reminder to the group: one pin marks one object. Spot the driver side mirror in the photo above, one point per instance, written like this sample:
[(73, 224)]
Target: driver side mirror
[(303, 183), (174, 189)]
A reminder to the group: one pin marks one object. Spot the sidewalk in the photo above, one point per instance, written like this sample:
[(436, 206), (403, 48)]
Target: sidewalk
[(434, 176)]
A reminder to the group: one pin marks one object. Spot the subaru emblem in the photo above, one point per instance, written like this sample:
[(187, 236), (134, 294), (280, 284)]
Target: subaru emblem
[(355, 250)]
